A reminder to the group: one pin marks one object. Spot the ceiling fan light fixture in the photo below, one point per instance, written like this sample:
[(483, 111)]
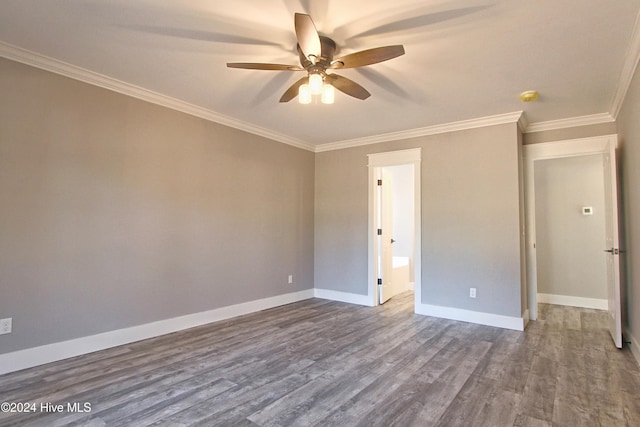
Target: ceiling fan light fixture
[(328, 94), (315, 83), (304, 94), (316, 54)]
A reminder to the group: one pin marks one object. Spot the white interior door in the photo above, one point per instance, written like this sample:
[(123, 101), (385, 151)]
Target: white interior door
[(386, 243), (612, 251)]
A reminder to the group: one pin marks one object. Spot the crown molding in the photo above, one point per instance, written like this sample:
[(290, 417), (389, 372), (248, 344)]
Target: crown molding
[(628, 70), (499, 119), (523, 123), (594, 119), (46, 63), (68, 70)]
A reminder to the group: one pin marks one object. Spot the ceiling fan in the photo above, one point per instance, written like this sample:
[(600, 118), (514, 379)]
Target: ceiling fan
[(316, 57)]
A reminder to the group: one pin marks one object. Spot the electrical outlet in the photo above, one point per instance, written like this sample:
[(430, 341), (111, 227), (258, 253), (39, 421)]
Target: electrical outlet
[(290, 278), (5, 326), (472, 292)]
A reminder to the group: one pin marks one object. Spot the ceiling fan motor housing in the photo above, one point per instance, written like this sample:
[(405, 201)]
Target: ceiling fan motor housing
[(328, 50)]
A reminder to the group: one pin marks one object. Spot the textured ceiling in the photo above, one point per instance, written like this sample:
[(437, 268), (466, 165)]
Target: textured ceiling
[(465, 59)]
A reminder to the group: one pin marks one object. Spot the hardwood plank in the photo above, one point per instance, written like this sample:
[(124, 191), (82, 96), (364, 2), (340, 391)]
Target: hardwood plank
[(310, 403), (247, 397), (383, 388), (572, 320), (469, 402), (440, 395), (327, 363), (526, 421), (538, 397), (500, 409)]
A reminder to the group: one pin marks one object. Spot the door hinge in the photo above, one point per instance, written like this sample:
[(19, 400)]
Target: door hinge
[(379, 281), (379, 182), (379, 231)]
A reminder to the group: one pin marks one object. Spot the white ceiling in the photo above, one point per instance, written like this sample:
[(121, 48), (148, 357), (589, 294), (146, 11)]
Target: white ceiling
[(465, 59)]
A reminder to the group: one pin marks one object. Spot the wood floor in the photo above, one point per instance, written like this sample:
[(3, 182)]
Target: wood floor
[(325, 363)]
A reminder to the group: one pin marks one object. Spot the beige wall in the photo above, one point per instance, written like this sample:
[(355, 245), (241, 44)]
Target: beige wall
[(115, 212), (629, 164), (470, 219)]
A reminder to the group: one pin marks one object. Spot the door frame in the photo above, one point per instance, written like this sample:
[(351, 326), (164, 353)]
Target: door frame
[(377, 161), (606, 144)]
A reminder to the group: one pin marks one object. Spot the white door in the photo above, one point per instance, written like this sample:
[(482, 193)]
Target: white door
[(612, 251), (386, 243)]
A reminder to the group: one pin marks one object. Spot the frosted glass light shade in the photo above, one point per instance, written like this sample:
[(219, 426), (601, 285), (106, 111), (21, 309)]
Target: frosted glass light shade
[(328, 94), (315, 84), (304, 94)]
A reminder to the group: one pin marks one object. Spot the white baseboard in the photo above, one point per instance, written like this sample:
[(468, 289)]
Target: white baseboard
[(635, 345), (30, 357), (598, 304), (489, 319), (343, 297)]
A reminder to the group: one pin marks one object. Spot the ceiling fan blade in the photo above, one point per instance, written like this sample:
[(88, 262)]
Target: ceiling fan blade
[(303, 59), (368, 57), (259, 66), (292, 92), (308, 37), (347, 86)]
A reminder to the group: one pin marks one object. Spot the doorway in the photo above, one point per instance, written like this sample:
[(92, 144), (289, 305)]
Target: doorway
[(394, 225), (563, 206), (570, 231)]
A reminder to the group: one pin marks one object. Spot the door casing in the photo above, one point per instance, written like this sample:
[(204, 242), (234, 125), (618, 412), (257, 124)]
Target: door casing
[(376, 162), (605, 145)]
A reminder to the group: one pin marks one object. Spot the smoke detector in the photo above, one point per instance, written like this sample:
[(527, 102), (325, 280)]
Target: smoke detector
[(529, 96)]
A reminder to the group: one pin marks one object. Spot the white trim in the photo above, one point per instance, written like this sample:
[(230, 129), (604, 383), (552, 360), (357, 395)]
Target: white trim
[(628, 70), (30, 357), (395, 158), (594, 119), (46, 63), (569, 148), (598, 304), (489, 319), (342, 297), (425, 131), (523, 123), (633, 344), (525, 318)]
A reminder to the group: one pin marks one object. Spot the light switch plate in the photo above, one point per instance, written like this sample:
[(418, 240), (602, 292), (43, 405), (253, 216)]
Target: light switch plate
[(5, 326)]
